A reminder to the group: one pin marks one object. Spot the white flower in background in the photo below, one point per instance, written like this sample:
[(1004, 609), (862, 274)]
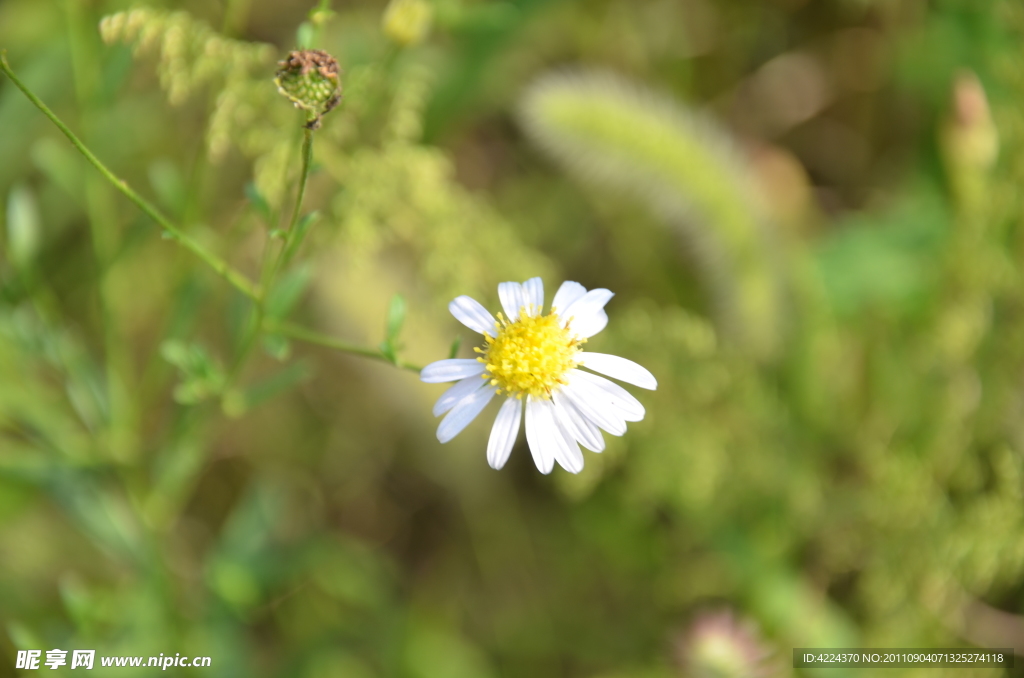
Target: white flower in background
[(532, 359)]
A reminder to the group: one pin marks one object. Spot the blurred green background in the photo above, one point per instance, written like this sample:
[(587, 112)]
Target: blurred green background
[(809, 210)]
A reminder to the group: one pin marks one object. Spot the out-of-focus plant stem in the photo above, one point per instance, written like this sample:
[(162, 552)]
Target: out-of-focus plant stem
[(268, 270), (100, 212), (237, 279), (310, 336)]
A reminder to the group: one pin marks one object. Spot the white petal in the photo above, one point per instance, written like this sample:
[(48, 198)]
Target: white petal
[(589, 325), (453, 395), (463, 413), (594, 405), (511, 295), (581, 428), (569, 292), (504, 432), (567, 452), (621, 369), (539, 435), (584, 314), (533, 295), (452, 369), (568, 456), (629, 408), (470, 313)]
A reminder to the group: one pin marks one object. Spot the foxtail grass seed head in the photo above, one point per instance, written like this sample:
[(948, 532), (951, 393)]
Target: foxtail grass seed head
[(311, 79), (532, 359), (617, 135), (407, 22)]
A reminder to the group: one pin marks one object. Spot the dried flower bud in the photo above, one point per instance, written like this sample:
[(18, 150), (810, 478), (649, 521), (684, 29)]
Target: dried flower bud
[(311, 80), (406, 22)]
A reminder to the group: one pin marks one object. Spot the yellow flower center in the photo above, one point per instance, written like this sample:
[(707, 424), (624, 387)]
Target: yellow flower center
[(529, 356)]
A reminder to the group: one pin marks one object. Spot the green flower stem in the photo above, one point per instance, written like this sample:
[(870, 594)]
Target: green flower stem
[(311, 336), (270, 268), (290, 244), (307, 160), (238, 280)]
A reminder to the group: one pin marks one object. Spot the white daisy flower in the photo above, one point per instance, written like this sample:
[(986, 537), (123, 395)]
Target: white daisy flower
[(532, 359)]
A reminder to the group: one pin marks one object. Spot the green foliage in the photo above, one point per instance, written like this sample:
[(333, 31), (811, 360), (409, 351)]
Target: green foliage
[(835, 452), (202, 376), (885, 264)]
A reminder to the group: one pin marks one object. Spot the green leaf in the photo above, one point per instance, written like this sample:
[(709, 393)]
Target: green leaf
[(23, 226), (189, 393), (888, 262), (396, 317), (307, 221), (175, 352), (257, 201), (202, 375), (62, 165), (235, 583), (301, 228), (304, 35), (455, 347), (106, 517), (23, 636), (277, 347), (168, 184), (388, 351), (429, 645), (288, 292), (272, 386)]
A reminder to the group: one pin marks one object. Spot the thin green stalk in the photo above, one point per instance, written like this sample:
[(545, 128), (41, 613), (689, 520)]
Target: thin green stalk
[(238, 280), (312, 337), (268, 270), (307, 160), (252, 333), (289, 244), (100, 210)]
